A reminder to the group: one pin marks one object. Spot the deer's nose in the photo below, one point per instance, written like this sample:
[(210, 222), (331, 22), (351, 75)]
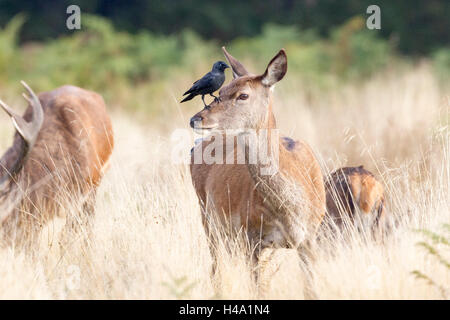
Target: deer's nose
[(195, 119)]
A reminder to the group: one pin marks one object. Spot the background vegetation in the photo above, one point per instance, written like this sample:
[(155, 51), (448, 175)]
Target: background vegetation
[(116, 63), (416, 27), (357, 96)]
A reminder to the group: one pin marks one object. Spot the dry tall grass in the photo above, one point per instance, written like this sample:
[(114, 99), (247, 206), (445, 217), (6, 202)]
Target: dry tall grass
[(148, 243)]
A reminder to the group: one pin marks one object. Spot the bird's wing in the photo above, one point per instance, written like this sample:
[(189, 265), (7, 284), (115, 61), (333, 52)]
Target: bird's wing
[(202, 83), (193, 88)]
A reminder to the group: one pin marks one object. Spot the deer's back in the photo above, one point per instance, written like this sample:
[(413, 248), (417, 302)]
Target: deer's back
[(73, 145), (352, 191)]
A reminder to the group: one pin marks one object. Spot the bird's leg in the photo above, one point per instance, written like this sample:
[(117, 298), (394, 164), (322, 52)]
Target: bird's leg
[(203, 99), (216, 99)]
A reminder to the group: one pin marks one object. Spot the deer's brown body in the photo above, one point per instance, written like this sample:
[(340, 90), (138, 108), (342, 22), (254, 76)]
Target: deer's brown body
[(63, 159), (281, 209), (232, 193), (353, 193)]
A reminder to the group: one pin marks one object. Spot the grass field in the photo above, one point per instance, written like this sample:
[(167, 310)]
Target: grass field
[(148, 241)]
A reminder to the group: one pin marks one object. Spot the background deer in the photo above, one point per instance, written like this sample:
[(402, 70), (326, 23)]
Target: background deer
[(355, 195), (283, 209), (62, 144)]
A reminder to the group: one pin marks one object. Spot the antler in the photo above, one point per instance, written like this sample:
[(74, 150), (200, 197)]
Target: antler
[(28, 130), (237, 67)]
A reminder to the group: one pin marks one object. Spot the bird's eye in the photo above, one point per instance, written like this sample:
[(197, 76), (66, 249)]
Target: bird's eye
[(243, 96)]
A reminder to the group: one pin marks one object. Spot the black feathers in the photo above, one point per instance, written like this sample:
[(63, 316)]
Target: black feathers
[(211, 82)]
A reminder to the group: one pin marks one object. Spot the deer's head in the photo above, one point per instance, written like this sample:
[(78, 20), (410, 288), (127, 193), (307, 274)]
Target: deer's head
[(13, 161), (244, 102)]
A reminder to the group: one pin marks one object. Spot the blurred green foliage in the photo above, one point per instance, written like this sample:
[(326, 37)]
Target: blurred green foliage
[(416, 27), (441, 60), (10, 60), (101, 58), (99, 55)]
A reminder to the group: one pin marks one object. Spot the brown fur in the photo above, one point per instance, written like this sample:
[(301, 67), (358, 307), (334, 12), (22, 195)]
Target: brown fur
[(71, 150), (354, 191), (235, 192)]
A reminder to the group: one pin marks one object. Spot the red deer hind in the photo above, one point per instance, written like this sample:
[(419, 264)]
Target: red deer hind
[(62, 144), (283, 209)]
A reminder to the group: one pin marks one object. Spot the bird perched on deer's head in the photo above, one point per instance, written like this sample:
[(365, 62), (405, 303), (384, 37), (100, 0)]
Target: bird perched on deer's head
[(210, 82)]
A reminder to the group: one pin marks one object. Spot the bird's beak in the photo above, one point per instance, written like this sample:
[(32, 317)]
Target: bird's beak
[(227, 66)]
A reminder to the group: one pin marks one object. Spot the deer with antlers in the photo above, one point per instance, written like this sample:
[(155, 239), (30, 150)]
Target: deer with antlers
[(61, 147), (277, 208)]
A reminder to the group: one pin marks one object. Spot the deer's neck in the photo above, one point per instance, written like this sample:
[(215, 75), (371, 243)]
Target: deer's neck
[(13, 160), (264, 170), (281, 193)]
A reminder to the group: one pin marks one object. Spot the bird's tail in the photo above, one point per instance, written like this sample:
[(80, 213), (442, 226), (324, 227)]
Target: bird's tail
[(189, 97)]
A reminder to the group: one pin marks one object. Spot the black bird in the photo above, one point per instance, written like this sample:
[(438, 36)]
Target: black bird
[(210, 82)]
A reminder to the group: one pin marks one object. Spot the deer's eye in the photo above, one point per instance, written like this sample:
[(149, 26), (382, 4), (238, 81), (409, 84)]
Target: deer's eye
[(243, 96)]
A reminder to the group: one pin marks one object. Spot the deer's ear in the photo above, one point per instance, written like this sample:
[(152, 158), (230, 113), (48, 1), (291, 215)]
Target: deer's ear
[(276, 69), (237, 67)]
